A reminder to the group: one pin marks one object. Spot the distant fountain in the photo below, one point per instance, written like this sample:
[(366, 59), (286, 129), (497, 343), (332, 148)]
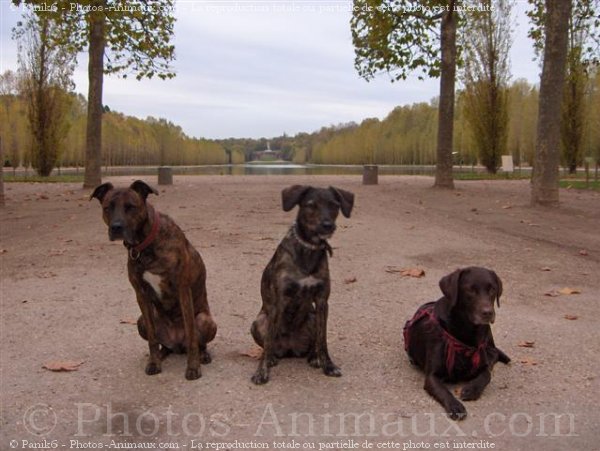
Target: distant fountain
[(269, 153)]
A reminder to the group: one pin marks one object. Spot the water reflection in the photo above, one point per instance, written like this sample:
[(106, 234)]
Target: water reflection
[(269, 169)]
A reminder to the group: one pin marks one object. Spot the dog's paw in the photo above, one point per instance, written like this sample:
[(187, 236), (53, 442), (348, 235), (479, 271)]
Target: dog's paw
[(456, 410), (331, 370), (192, 374), (205, 358), (470, 393), (152, 368), (260, 377), (314, 361)]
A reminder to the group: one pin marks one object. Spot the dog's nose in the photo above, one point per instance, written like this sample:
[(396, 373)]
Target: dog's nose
[(116, 228), (488, 314), (328, 226)]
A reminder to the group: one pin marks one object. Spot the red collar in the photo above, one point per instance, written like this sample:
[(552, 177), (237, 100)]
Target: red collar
[(135, 251)]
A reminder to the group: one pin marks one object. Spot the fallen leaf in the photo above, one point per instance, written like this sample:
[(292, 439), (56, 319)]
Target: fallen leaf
[(350, 280), (545, 268), (568, 291), (571, 317), (552, 293), (127, 321), (57, 365), (583, 252), (412, 272), (3, 251), (255, 353), (506, 207), (526, 344), (528, 361), (406, 272), (43, 196)]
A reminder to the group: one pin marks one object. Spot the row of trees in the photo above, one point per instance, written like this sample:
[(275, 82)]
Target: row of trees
[(408, 134), (126, 140)]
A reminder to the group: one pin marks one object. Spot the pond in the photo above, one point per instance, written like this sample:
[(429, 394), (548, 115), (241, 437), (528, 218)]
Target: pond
[(281, 169)]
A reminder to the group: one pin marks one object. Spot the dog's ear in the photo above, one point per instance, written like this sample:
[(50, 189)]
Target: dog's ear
[(101, 191), (143, 189), (291, 196), (498, 286), (345, 198), (449, 286)]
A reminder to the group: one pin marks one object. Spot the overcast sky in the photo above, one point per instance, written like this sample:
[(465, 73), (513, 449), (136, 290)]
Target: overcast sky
[(261, 68)]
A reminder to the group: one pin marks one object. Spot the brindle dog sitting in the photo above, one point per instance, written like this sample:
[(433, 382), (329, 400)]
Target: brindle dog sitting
[(295, 284), (167, 274)]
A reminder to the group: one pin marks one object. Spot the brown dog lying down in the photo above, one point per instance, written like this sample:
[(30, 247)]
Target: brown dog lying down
[(295, 284), (167, 274), (451, 339)]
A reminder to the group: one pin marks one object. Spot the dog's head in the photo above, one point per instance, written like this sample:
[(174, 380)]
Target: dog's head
[(123, 209), (319, 208), (470, 293)]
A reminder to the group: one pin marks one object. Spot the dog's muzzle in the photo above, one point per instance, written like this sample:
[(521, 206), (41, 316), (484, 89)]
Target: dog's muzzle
[(326, 229), (115, 231)]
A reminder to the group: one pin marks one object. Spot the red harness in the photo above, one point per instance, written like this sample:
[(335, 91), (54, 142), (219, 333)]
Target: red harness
[(454, 347)]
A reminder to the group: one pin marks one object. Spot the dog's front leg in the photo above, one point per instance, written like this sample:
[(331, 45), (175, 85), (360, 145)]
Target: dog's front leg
[(191, 332), (321, 358), (475, 387), (143, 296), (261, 376), (435, 387)]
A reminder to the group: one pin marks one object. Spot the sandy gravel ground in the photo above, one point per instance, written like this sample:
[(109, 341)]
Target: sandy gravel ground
[(65, 297)]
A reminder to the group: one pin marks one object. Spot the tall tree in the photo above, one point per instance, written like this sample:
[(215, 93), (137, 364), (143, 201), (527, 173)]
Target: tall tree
[(573, 107), (544, 190), (2, 201), (122, 37), (486, 75), (45, 78), (399, 37), (583, 55)]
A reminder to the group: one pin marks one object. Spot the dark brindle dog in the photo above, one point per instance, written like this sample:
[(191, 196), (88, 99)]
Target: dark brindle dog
[(451, 339), (167, 274), (295, 284)]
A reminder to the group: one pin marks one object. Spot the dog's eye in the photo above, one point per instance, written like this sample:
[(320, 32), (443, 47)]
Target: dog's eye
[(129, 207), (310, 204)]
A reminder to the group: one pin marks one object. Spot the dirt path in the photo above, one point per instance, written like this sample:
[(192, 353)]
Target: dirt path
[(65, 293)]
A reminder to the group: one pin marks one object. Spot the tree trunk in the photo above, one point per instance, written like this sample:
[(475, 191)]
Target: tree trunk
[(443, 166), (1, 175), (93, 151), (544, 189)]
